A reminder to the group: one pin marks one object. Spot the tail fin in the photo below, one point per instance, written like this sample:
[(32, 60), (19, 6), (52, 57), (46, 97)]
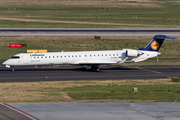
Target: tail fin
[(156, 43)]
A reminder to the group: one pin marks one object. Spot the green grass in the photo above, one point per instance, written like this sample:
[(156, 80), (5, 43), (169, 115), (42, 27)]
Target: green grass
[(120, 13), (149, 90), (158, 93)]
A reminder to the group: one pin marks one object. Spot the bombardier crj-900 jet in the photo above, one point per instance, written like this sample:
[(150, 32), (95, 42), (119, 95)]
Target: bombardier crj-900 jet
[(90, 58)]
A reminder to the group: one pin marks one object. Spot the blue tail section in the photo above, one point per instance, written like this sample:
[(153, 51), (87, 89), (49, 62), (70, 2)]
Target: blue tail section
[(156, 43)]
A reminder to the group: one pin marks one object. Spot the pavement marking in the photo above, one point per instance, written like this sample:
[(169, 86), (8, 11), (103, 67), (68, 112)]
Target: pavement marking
[(145, 113), (148, 70), (18, 111)]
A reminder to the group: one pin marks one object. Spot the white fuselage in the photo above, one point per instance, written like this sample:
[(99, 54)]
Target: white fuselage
[(78, 58)]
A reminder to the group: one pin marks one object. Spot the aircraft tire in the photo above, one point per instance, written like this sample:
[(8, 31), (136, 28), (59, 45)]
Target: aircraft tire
[(92, 68), (96, 69)]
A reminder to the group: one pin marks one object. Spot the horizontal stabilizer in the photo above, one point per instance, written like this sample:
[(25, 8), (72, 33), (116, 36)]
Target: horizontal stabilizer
[(163, 37)]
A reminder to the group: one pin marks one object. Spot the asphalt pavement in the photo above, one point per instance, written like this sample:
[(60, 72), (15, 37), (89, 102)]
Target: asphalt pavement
[(41, 73), (100, 111), (88, 31)]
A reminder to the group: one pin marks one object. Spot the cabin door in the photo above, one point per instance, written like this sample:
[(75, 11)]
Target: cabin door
[(25, 59)]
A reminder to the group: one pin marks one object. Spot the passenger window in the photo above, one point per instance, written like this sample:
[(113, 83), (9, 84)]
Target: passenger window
[(106, 54), (49, 56), (79, 55), (34, 57), (45, 56), (113, 54), (94, 55), (72, 55), (109, 54), (75, 55), (41, 57), (85, 56), (102, 54), (57, 56), (61, 56)]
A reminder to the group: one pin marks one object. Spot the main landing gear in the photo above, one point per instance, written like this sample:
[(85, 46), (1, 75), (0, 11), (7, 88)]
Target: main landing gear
[(95, 68)]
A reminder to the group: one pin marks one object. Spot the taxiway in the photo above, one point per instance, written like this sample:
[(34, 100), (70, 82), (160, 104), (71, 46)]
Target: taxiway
[(88, 31), (84, 73), (89, 111)]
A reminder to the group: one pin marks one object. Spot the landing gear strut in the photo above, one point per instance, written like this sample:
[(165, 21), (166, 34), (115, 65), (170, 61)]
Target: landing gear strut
[(12, 68), (95, 68)]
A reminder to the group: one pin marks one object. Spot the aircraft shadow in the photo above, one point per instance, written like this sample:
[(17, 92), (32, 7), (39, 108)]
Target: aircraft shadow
[(83, 69)]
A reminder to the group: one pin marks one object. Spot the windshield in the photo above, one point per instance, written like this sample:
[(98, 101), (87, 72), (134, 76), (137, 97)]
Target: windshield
[(15, 57)]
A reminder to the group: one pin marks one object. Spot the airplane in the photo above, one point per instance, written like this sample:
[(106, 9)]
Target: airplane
[(89, 58)]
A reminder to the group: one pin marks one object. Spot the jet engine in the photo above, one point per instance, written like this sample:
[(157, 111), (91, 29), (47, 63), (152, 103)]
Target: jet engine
[(132, 53)]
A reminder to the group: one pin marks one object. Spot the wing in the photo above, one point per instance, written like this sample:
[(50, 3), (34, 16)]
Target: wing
[(96, 62)]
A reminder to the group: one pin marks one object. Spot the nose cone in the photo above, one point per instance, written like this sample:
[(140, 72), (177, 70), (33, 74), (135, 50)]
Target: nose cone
[(4, 63)]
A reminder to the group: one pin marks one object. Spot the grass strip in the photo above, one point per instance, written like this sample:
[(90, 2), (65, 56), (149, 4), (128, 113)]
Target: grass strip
[(149, 90), (84, 14)]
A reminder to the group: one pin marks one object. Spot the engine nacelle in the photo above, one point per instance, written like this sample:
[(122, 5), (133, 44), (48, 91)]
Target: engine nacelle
[(132, 53)]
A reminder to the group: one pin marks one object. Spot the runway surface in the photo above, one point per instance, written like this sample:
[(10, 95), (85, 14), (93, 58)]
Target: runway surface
[(87, 32), (83, 73), (94, 111)]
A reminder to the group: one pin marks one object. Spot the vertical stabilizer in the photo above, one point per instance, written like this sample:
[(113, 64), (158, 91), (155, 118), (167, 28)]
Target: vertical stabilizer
[(156, 43)]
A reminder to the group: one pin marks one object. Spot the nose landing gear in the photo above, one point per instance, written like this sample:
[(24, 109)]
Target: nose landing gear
[(12, 68)]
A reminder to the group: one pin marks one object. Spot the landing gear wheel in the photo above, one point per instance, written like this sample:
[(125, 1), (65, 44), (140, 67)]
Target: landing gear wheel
[(92, 68), (95, 68)]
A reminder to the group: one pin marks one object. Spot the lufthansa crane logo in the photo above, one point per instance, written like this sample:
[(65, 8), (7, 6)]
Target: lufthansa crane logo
[(154, 45)]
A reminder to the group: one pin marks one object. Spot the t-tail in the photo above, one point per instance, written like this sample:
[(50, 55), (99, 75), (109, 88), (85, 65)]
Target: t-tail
[(156, 43)]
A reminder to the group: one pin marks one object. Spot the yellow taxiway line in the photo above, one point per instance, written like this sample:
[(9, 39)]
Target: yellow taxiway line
[(148, 70), (145, 113)]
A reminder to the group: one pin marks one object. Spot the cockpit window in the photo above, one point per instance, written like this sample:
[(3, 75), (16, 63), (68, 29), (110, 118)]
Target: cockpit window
[(15, 57)]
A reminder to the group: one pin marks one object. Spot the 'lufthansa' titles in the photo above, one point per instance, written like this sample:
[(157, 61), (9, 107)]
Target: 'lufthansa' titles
[(36, 54)]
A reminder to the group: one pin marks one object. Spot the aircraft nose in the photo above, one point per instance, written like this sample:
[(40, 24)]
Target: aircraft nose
[(4, 63)]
